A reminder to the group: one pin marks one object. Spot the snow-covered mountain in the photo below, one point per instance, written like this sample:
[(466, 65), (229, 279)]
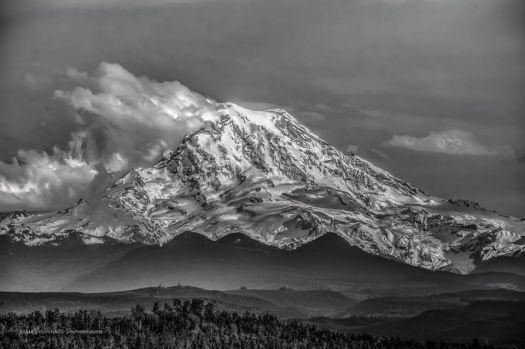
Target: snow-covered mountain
[(263, 174)]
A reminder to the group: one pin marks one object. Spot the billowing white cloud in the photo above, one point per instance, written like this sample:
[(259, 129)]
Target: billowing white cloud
[(35, 179), (118, 95), (453, 142), (124, 121), (116, 163), (131, 116)]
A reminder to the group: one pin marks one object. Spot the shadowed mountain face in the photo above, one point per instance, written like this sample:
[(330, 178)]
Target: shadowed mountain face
[(42, 268), (237, 260), (267, 176), (228, 263)]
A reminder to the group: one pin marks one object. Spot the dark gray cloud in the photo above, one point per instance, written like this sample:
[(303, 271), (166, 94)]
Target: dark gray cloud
[(357, 72)]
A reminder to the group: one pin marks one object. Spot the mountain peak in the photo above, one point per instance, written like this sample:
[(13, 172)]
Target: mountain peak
[(265, 175), (275, 145)]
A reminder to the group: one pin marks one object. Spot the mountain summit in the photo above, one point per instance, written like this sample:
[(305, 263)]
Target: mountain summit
[(265, 175)]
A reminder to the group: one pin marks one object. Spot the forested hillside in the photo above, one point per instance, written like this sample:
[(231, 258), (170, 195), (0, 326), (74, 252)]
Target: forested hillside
[(188, 324)]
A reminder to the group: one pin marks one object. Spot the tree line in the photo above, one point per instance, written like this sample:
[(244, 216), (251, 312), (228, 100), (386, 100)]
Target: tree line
[(184, 324)]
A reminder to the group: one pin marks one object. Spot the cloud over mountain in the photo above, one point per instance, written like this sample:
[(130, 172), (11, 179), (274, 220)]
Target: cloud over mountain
[(124, 121), (36, 179), (453, 142)]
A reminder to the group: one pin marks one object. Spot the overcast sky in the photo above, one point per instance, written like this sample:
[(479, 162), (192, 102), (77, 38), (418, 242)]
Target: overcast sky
[(431, 90)]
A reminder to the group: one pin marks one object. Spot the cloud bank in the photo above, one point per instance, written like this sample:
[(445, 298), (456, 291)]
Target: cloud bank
[(124, 121), (453, 142)]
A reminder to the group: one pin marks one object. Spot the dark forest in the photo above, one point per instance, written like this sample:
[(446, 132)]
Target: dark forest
[(184, 324)]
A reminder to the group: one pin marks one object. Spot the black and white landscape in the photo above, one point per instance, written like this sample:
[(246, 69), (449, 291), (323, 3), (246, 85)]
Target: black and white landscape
[(251, 220), (260, 184), (257, 202)]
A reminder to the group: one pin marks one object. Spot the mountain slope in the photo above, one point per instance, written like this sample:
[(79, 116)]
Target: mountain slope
[(51, 268), (236, 260), (263, 174)]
